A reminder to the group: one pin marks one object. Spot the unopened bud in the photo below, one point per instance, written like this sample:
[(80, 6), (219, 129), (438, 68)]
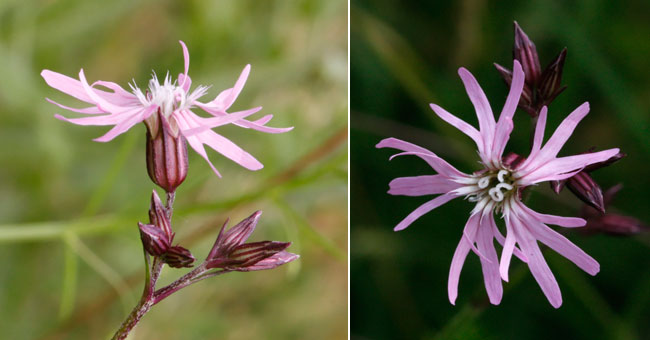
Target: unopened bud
[(247, 254), (525, 51), (158, 216), (178, 257), (550, 84), (587, 190), (154, 239), (166, 152), (270, 262), (235, 236), (232, 253), (611, 223), (540, 87)]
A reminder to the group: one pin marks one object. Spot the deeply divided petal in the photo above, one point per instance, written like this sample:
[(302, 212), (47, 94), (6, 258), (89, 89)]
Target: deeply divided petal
[(489, 261), (437, 163), (458, 260), (537, 264), (564, 167), (505, 125), (423, 209), (187, 121), (557, 140), (421, 185)]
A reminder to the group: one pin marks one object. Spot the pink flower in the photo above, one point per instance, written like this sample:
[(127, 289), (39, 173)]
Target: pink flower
[(497, 187), (171, 100)]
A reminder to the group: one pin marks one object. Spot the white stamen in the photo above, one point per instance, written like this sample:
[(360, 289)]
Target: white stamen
[(484, 182), (167, 96), (503, 186), (496, 194), (501, 174)]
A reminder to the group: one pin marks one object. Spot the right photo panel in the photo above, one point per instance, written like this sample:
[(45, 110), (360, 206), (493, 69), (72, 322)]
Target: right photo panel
[(498, 170)]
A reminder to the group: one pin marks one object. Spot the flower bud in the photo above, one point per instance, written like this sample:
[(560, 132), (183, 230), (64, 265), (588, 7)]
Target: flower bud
[(154, 239), (248, 254), (610, 223), (587, 190), (270, 262), (524, 50), (166, 152), (158, 216), (178, 257), (235, 236), (232, 253), (583, 186), (541, 87), (549, 85)]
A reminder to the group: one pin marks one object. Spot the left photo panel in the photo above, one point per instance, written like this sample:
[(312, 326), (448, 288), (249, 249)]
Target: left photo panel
[(174, 170)]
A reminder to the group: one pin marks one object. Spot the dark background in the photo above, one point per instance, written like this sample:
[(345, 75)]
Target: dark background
[(405, 56), (70, 253)]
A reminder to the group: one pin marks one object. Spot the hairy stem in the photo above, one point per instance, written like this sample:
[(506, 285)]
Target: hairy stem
[(152, 273)]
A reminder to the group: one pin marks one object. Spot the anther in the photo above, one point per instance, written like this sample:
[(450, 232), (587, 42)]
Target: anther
[(484, 182), (501, 174)]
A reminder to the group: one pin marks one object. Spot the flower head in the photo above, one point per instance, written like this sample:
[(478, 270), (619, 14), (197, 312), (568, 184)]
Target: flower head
[(169, 100), (232, 253), (496, 187), (541, 86)]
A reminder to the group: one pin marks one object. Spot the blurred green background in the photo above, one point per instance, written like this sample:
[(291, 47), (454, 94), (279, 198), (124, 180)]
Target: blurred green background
[(71, 255), (405, 56)]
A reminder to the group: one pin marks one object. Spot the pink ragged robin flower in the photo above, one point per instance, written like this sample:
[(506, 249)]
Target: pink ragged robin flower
[(496, 188), (172, 101)]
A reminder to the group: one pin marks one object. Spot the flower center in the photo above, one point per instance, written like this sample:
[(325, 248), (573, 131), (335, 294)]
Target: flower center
[(167, 96), (488, 189), (495, 186)]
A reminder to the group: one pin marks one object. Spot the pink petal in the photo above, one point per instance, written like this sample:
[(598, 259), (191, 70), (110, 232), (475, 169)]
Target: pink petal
[(263, 120), (102, 103), (538, 266), (186, 57), (96, 120), (558, 139), (421, 185), (119, 96), (423, 209), (539, 135), (569, 222), (126, 124), (564, 247), (437, 163), (505, 125), (501, 239), (219, 143), (556, 168), (255, 125), (186, 82), (508, 248), (66, 85), (458, 260), (459, 124), (209, 123), (490, 264), (195, 143), (92, 110), (481, 106), (226, 98)]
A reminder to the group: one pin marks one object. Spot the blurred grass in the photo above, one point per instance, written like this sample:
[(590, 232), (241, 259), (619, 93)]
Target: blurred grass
[(68, 229), (404, 56)]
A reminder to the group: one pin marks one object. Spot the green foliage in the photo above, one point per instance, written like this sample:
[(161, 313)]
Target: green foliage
[(71, 252)]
